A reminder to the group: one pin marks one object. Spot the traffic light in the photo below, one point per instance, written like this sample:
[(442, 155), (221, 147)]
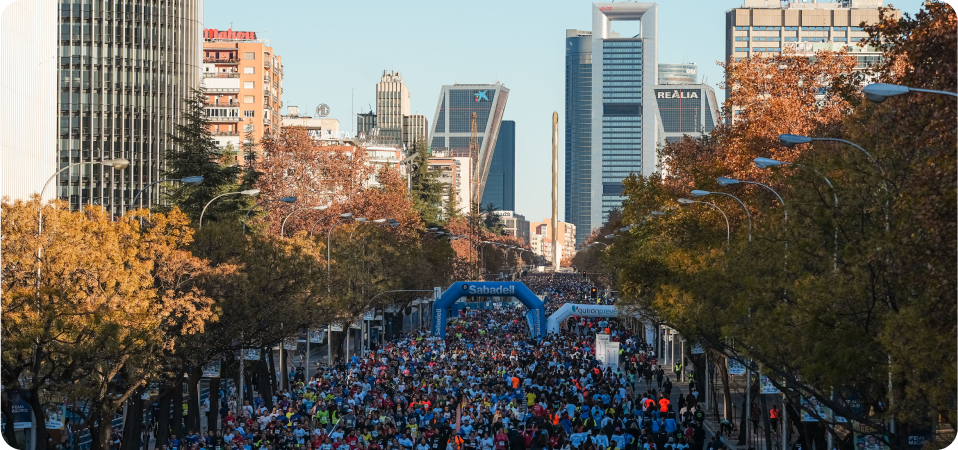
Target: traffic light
[(594, 292), (585, 275)]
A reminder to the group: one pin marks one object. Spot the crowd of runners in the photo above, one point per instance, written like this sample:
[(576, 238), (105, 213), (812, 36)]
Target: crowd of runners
[(486, 386)]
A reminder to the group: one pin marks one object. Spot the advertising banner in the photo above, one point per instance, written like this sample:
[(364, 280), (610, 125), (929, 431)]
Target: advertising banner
[(697, 349), (316, 336), (339, 326), (768, 387), (251, 354), (735, 367), (369, 315), (812, 404), (212, 369), (289, 344), (867, 438), (612, 355), (20, 410)]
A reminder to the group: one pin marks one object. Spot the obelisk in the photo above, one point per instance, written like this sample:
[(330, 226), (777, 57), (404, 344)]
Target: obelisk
[(554, 227)]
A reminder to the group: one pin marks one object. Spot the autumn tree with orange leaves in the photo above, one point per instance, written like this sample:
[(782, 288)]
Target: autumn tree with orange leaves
[(851, 300)]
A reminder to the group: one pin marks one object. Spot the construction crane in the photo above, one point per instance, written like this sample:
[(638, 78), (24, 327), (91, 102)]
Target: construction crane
[(474, 183)]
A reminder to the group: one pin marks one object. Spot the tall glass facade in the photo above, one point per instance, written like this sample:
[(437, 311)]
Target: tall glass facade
[(677, 74), (686, 110), (578, 131), (453, 122), (125, 69), (501, 182), (621, 117)]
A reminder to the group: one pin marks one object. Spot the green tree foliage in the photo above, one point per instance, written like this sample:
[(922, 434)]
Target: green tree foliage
[(491, 221), (427, 190), (195, 153)]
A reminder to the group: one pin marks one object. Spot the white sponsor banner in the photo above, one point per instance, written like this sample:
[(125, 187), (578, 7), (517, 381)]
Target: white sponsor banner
[(768, 387), (289, 344), (735, 367), (316, 336), (697, 349), (212, 369), (812, 404), (369, 315), (612, 355), (252, 354), (355, 326), (337, 327)]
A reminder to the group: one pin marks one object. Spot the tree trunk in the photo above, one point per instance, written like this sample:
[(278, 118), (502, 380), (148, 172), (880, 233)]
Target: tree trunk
[(212, 420), (163, 421), (9, 434), (99, 430), (794, 415), (262, 375), (283, 367), (727, 399), (765, 422), (193, 405), (33, 398), (134, 421), (271, 363), (176, 426), (741, 421)]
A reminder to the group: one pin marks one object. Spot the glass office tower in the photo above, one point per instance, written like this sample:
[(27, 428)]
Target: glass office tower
[(624, 125), (501, 181), (578, 131)]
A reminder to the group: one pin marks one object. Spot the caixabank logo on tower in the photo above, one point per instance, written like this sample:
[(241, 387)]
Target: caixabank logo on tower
[(489, 290)]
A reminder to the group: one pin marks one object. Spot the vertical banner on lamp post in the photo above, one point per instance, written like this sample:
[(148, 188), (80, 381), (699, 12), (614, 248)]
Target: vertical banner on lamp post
[(212, 369), (612, 355), (767, 386), (697, 349), (735, 367), (316, 336)]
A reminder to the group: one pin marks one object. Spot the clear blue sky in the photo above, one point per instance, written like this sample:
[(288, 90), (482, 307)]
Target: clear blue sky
[(331, 49)]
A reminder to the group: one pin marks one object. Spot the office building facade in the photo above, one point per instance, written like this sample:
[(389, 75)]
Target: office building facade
[(678, 74), (514, 224), (763, 27), (624, 128), (539, 233), (578, 131), (501, 182), (125, 69), (243, 82), (28, 38), (686, 110), (415, 127), (392, 104), (452, 125), (365, 124)]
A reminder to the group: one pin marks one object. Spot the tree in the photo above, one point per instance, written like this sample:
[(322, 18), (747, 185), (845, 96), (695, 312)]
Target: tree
[(427, 190), (195, 153), (491, 221)]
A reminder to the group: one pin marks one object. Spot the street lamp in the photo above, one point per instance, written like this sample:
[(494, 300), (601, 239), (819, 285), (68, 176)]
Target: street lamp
[(282, 228), (728, 227), (878, 92), (329, 327), (726, 181), (610, 236), (791, 140), (701, 193), (251, 192), (195, 181), (284, 200)]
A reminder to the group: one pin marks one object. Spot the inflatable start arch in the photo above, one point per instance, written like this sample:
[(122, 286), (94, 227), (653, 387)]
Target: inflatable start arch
[(440, 308)]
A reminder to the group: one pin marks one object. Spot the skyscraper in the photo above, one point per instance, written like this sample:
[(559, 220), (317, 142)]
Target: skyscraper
[(686, 110), (578, 131), (125, 69), (762, 27), (624, 128), (678, 74), (453, 121), (501, 182), (392, 104)]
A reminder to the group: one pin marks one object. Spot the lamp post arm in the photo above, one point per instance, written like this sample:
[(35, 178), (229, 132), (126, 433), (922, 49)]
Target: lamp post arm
[(728, 226), (869, 155), (313, 228), (282, 228), (211, 201), (748, 214), (246, 217), (58, 173), (784, 209), (931, 91), (141, 191)]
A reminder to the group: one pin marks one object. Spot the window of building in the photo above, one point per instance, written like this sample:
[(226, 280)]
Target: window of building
[(841, 39), (249, 56), (814, 28), (840, 28), (249, 113), (248, 84), (248, 70), (858, 29), (766, 28), (791, 39), (813, 39), (790, 28), (766, 49), (741, 38), (248, 99), (741, 49), (766, 39)]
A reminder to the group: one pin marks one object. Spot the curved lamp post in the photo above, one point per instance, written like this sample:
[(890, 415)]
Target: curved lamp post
[(195, 181), (252, 192), (282, 228), (879, 92), (284, 200), (726, 181), (701, 193), (728, 227)]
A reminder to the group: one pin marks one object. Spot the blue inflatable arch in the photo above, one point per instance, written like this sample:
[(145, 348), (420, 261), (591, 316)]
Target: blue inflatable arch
[(459, 289)]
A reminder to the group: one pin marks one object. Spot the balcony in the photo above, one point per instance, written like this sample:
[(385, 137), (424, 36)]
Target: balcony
[(266, 64), (225, 133), (227, 90), (220, 75), (221, 60), (219, 119)]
